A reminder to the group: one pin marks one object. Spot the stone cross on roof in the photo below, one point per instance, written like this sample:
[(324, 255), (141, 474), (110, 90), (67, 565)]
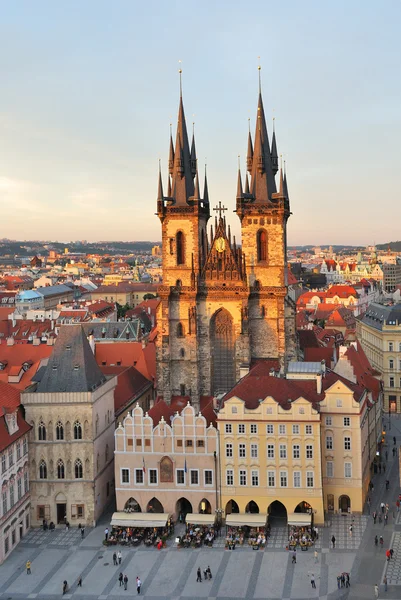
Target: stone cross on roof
[(220, 209)]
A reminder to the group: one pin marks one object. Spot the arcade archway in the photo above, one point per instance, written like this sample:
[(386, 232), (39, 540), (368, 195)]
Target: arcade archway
[(155, 506), (205, 507), (132, 506), (232, 507), (277, 513), (252, 507)]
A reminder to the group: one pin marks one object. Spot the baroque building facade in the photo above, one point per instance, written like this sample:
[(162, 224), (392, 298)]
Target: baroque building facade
[(222, 307), (70, 408)]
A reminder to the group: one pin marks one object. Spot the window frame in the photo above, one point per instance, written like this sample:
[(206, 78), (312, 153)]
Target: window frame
[(125, 470), (191, 473), (137, 479)]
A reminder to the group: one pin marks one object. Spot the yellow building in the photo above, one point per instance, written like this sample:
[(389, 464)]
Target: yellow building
[(270, 450), (379, 331)]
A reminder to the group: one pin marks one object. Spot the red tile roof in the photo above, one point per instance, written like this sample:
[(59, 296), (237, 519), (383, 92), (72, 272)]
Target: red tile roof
[(128, 354), (10, 397), (17, 355), (130, 385), (5, 438), (319, 354)]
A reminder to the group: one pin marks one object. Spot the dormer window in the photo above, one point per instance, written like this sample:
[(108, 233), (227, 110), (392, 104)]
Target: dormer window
[(12, 424)]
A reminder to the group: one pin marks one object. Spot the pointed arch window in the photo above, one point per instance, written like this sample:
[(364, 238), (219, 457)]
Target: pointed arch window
[(59, 431), (41, 431), (42, 470), (60, 469), (262, 245), (77, 431), (180, 330), (78, 469), (180, 247)]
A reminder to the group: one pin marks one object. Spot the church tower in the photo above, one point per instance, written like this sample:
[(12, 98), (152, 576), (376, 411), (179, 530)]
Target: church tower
[(222, 306), (264, 211)]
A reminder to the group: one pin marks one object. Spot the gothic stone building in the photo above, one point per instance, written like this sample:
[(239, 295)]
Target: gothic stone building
[(70, 408), (223, 307)]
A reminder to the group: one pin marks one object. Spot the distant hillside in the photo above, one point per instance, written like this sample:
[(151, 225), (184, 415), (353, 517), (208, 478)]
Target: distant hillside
[(12, 247), (394, 246)]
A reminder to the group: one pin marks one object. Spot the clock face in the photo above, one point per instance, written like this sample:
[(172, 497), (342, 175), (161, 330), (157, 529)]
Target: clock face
[(220, 244)]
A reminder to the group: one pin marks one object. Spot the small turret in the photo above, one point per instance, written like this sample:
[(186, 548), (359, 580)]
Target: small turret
[(193, 152), (171, 154), (240, 192), (274, 155), (249, 156)]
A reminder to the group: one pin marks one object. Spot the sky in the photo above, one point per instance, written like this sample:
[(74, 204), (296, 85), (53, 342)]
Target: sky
[(88, 90)]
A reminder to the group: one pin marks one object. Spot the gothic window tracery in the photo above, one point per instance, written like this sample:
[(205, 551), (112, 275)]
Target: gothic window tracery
[(223, 344), (77, 431), (42, 431), (180, 330), (59, 431), (78, 469), (60, 469), (180, 247), (262, 245), (42, 470)]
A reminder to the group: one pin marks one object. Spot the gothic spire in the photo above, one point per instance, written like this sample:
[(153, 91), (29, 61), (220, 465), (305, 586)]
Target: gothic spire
[(171, 154), (249, 156), (160, 188), (281, 187), (285, 187), (193, 152), (263, 184), (240, 192), (169, 187), (205, 190), (274, 155), (183, 185), (197, 196), (246, 184)]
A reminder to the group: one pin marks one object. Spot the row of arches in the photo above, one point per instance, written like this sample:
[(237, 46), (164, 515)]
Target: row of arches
[(182, 506), (61, 469), (61, 432)]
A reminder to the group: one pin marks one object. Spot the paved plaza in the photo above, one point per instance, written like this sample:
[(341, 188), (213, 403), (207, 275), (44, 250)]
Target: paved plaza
[(243, 573)]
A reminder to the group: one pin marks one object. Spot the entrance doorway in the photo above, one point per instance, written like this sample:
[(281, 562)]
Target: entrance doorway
[(182, 508), (21, 530), (205, 507), (277, 514), (252, 507), (232, 507), (344, 504), (61, 513)]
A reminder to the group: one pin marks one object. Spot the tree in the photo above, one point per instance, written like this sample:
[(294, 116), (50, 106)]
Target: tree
[(149, 296)]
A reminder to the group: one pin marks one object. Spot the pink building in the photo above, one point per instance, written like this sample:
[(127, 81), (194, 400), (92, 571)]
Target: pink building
[(167, 462)]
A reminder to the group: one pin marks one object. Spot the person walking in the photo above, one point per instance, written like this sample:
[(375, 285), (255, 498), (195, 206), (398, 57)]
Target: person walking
[(376, 541), (294, 557), (209, 573), (115, 563), (394, 441), (351, 529), (316, 556), (380, 468), (339, 581), (347, 581), (385, 583), (198, 575), (398, 505), (125, 582), (65, 587), (79, 582), (119, 557), (374, 517), (391, 553), (388, 555), (385, 519), (381, 541), (382, 507), (106, 534), (138, 585), (376, 591), (387, 484), (312, 580), (342, 580), (28, 567), (82, 532), (121, 578), (333, 541)]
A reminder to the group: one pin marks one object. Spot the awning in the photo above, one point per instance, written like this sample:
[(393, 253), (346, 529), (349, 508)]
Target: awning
[(122, 519), (202, 519), (251, 519), (299, 519)]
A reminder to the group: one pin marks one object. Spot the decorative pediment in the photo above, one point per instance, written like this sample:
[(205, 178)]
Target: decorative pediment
[(224, 262)]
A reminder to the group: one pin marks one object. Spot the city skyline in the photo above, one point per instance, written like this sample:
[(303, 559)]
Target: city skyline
[(87, 103)]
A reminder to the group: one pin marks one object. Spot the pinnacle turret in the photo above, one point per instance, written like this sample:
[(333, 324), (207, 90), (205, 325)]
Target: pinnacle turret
[(263, 184), (183, 185), (205, 190), (249, 156), (240, 192), (274, 155), (160, 187), (193, 154), (171, 156)]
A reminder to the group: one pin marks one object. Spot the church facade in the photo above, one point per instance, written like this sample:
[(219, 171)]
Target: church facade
[(223, 306)]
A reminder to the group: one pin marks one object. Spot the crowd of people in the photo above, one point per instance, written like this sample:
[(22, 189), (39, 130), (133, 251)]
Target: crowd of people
[(254, 536), (304, 537), (196, 535), (133, 536)]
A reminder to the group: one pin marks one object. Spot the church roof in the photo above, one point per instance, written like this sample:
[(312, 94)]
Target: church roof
[(72, 366)]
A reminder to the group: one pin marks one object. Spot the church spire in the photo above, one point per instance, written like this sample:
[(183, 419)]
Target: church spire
[(249, 156), (171, 154), (205, 190), (240, 192), (183, 185), (263, 184), (193, 152), (160, 187), (197, 196), (274, 155), (246, 184), (285, 187)]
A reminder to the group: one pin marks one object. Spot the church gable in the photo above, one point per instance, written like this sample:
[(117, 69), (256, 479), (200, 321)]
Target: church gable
[(224, 261)]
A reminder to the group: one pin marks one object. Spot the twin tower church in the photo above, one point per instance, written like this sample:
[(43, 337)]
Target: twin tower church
[(223, 306)]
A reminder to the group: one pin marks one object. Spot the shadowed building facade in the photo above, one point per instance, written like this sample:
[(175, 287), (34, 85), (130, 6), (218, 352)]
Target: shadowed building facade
[(222, 306)]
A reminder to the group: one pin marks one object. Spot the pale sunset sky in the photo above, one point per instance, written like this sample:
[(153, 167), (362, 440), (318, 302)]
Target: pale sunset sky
[(88, 89)]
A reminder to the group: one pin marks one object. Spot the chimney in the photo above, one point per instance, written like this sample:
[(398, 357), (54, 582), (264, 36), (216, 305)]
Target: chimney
[(323, 366), (272, 372), (319, 383), (10, 341)]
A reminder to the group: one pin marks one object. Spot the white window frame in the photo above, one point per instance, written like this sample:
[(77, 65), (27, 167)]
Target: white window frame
[(271, 476), (270, 449), (348, 470), (310, 479), (241, 450), (339, 402), (308, 429), (270, 429), (329, 469), (282, 430), (242, 474), (228, 428), (347, 443), (229, 450), (283, 477), (176, 476), (295, 430), (136, 477), (204, 477), (255, 477), (122, 470), (329, 442), (329, 420), (241, 428), (229, 477), (254, 450), (309, 451), (190, 477), (254, 428), (297, 479), (347, 421), (296, 451), (283, 452), (157, 476)]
